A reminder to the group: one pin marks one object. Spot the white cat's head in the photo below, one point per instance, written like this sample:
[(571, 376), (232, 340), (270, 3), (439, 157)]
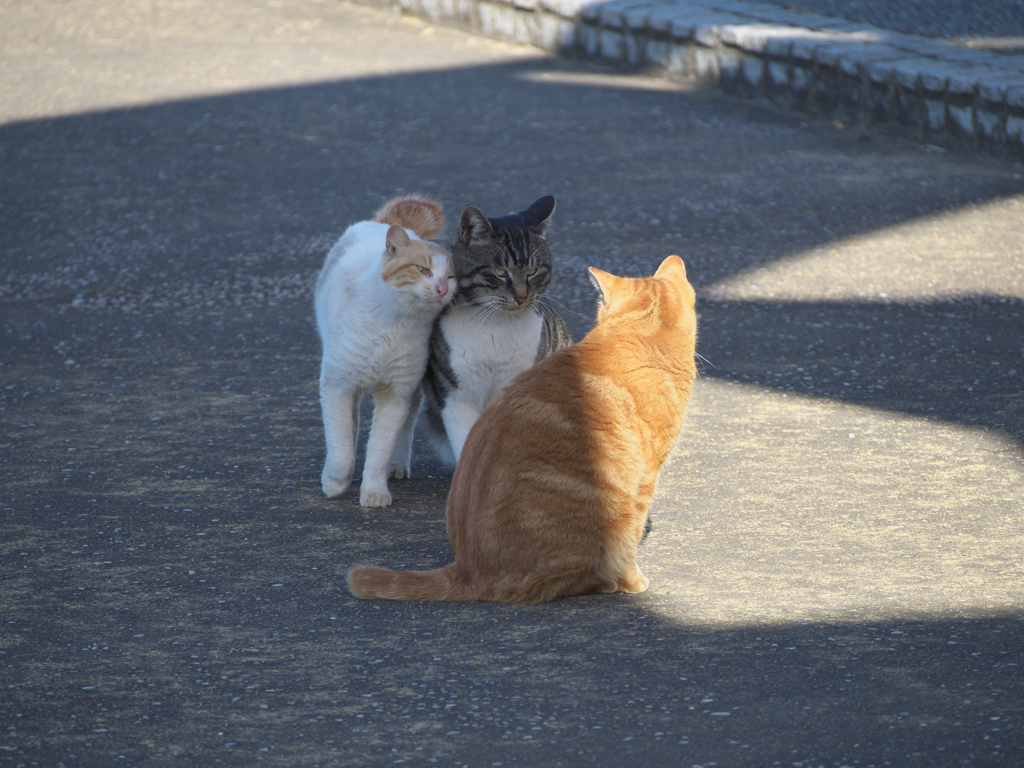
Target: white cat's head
[(421, 270)]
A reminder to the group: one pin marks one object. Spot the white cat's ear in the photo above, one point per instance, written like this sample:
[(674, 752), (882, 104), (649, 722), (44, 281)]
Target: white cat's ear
[(396, 238), (474, 226)]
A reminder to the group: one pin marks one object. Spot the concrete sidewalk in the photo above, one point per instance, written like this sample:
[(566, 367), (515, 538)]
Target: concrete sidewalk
[(934, 91)]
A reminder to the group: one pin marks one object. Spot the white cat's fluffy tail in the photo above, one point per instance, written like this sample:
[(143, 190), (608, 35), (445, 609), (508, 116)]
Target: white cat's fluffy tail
[(422, 215)]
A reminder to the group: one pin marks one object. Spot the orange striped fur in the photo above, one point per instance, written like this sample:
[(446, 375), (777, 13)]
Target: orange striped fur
[(423, 216), (552, 490), (410, 260), (419, 213)]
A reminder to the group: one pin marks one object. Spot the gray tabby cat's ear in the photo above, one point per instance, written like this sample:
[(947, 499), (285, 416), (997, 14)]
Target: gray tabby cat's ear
[(538, 216), (474, 226), (396, 238)]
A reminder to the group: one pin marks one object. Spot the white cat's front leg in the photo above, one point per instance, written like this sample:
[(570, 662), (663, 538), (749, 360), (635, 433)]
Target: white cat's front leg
[(459, 417), (389, 414), (401, 459), (340, 407)]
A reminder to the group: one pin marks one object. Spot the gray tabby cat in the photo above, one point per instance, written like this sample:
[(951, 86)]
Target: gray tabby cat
[(497, 325)]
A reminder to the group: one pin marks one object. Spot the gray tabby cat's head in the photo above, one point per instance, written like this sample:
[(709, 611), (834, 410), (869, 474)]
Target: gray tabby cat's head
[(503, 263)]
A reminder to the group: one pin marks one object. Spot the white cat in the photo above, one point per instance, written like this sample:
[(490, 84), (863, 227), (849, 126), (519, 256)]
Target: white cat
[(377, 295)]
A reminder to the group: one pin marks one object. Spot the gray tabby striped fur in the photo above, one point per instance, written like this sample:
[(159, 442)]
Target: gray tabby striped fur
[(498, 324)]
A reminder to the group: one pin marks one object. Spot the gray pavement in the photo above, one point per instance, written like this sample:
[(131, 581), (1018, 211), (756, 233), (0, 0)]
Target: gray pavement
[(835, 563), (923, 74)]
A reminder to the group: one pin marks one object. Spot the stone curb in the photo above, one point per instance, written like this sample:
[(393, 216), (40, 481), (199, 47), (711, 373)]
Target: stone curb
[(927, 89)]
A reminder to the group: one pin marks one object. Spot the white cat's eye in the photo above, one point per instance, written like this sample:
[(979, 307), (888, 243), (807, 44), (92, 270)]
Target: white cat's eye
[(425, 271)]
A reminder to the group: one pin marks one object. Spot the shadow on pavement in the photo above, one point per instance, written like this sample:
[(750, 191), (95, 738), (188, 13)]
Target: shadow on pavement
[(214, 634), (173, 577), (959, 361), (223, 204)]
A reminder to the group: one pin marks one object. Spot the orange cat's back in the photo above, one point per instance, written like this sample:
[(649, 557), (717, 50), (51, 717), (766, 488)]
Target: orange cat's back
[(552, 491)]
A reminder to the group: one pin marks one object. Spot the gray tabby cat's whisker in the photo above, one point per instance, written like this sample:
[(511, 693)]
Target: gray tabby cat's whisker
[(480, 306), (483, 301), (479, 309), (492, 310), (543, 303), (486, 308)]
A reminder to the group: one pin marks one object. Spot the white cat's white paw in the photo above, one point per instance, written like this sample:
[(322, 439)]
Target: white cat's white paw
[(400, 471), (333, 485), (374, 497)]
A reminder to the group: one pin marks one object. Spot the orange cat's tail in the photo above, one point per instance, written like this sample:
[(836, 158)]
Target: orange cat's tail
[(373, 583), (422, 215)]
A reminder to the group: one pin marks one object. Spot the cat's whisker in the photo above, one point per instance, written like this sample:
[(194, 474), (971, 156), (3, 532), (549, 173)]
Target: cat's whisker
[(482, 307), (478, 311), (543, 302), (492, 311), (487, 309)]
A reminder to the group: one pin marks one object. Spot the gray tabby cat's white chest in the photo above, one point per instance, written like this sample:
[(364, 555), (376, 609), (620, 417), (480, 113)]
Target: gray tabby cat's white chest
[(487, 351)]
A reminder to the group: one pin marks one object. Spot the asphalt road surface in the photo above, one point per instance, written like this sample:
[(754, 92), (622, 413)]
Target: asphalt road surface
[(836, 558)]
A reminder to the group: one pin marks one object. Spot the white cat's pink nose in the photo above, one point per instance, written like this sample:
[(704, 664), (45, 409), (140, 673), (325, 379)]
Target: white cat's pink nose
[(442, 289)]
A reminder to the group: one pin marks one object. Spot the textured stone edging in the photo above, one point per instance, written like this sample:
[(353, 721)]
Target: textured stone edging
[(928, 89)]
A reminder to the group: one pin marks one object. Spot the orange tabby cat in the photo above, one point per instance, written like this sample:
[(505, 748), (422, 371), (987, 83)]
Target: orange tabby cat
[(551, 493)]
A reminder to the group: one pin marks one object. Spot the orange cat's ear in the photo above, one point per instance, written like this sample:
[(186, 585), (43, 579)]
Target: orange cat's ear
[(672, 263), (396, 238), (613, 290), (674, 269), (603, 281)]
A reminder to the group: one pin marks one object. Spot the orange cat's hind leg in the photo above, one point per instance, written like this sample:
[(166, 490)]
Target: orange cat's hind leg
[(633, 580), (633, 583), (589, 586)]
